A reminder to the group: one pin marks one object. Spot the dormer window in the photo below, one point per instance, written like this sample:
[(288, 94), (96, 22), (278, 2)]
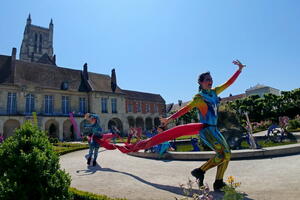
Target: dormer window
[(64, 85)]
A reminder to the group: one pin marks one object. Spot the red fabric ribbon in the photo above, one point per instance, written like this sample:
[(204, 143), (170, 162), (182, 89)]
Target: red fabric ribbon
[(171, 134)]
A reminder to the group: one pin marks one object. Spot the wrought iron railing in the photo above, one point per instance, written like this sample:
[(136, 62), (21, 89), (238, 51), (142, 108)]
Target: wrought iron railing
[(54, 114)]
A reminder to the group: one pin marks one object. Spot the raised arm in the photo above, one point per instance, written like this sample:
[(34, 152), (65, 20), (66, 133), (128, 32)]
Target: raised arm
[(222, 87), (197, 102)]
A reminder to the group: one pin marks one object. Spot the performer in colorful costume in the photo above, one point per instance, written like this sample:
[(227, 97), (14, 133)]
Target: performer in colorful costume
[(207, 101), (95, 134)]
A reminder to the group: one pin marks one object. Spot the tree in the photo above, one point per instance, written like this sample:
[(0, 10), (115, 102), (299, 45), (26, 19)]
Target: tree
[(29, 167)]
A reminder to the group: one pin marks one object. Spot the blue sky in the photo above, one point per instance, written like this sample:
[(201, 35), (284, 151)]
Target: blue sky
[(161, 46)]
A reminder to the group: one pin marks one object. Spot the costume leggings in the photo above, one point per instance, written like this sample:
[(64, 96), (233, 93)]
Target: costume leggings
[(215, 140), (93, 149)]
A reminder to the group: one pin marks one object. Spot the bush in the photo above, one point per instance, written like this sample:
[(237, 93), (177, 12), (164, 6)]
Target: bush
[(294, 124), (53, 140), (30, 168)]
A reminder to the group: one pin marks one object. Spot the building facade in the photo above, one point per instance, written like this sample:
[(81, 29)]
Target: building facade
[(34, 83), (261, 90), (37, 43)]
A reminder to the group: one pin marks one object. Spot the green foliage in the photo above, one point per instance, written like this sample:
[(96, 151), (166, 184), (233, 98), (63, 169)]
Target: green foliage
[(228, 119), (191, 116), (230, 192), (266, 143), (80, 195), (294, 124), (53, 140), (62, 148), (30, 168), (268, 107)]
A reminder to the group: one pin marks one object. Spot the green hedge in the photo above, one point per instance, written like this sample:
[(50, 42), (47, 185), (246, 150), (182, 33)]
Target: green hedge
[(62, 148), (81, 195)]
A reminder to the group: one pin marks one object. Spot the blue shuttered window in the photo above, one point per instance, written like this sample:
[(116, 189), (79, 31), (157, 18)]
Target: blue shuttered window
[(48, 104), (104, 105), (11, 103), (29, 108), (114, 105), (65, 104), (82, 105)]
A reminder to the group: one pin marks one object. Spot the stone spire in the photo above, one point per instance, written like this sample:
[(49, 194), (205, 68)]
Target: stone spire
[(28, 20), (37, 43)]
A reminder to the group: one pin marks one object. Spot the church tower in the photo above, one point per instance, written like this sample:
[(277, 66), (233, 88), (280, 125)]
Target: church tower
[(37, 44)]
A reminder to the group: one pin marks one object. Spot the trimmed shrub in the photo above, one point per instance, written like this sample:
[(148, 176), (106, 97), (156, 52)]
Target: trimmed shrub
[(53, 140), (29, 167)]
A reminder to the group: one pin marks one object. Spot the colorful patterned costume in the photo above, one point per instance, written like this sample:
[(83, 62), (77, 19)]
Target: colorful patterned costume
[(207, 101), (94, 134)]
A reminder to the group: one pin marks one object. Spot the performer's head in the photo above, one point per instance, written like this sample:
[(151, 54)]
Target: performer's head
[(205, 81), (92, 118)]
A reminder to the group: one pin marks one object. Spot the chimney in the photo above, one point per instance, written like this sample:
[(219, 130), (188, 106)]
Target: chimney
[(28, 20), (113, 81), (85, 72), (14, 53)]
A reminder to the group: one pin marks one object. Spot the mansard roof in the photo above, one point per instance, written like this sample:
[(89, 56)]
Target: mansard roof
[(50, 76), (142, 96), (101, 82), (45, 75)]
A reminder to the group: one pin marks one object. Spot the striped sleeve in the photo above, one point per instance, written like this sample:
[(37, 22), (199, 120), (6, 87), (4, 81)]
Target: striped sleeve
[(221, 88), (196, 102)]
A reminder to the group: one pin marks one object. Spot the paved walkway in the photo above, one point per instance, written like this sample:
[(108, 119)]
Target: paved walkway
[(124, 176)]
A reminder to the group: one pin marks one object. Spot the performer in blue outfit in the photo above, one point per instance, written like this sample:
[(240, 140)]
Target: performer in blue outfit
[(93, 122), (207, 101)]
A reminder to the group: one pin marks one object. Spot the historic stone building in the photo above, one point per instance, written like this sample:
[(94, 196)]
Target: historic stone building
[(37, 44), (34, 83), (261, 90)]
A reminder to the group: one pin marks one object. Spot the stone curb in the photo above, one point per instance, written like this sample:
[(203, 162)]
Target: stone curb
[(267, 152)]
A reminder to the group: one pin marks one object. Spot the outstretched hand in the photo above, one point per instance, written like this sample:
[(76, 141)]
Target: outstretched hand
[(238, 63)]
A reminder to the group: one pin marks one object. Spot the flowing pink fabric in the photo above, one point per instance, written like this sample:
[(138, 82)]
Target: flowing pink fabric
[(75, 126), (182, 130)]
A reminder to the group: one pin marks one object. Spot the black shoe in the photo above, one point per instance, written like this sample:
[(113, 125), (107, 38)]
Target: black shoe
[(94, 163), (219, 184), (89, 161), (199, 175)]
